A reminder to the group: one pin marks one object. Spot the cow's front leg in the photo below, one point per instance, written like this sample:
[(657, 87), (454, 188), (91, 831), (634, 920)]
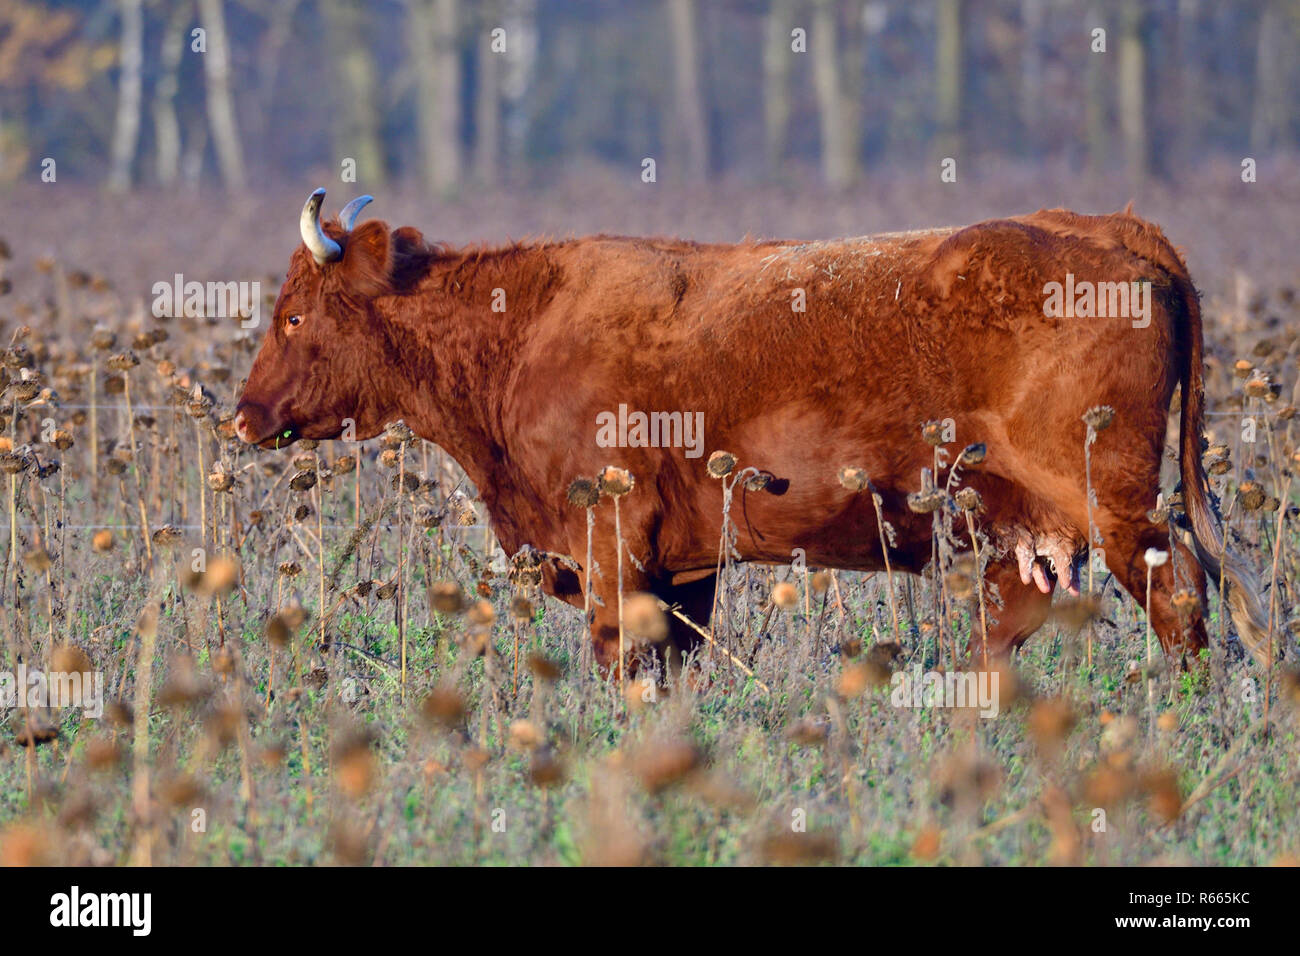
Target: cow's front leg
[(603, 614)]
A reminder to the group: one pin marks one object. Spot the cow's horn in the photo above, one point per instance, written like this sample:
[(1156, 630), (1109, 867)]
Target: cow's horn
[(321, 246), (353, 209)]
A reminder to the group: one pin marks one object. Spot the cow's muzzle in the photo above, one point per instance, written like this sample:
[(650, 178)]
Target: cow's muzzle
[(254, 426)]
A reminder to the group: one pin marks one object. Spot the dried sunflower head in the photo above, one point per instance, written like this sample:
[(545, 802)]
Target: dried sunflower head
[(1099, 417), (721, 464), (616, 481)]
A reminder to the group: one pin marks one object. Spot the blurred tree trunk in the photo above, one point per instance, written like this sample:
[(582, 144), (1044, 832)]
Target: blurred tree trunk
[(778, 58), (194, 137), (853, 81), (1031, 74), (354, 113), (487, 97), (126, 127), (1132, 92), (1189, 80), (221, 105), (839, 145), (279, 15), (1268, 113), (948, 76), (1097, 130), (692, 118), (167, 128), (519, 79), (436, 58)]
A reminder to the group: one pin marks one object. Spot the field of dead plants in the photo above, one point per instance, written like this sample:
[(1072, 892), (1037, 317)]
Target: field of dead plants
[(318, 656)]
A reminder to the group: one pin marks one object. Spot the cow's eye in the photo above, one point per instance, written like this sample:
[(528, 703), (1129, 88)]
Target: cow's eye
[(295, 320)]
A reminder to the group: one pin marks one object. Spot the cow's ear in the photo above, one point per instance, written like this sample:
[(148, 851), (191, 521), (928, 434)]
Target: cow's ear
[(367, 259)]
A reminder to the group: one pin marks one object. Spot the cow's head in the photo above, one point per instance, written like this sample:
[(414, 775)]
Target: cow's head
[(318, 365)]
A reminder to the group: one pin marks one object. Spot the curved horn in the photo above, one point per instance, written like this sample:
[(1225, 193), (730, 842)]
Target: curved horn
[(321, 246), (353, 209)]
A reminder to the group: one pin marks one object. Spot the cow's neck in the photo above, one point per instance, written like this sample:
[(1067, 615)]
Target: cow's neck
[(456, 354)]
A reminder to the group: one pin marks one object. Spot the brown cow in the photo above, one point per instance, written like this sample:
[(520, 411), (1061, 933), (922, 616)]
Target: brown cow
[(516, 360)]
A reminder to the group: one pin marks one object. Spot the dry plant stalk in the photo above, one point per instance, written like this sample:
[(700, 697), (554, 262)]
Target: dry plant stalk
[(147, 629)]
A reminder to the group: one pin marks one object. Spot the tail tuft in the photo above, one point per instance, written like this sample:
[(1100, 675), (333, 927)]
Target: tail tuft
[(1240, 585)]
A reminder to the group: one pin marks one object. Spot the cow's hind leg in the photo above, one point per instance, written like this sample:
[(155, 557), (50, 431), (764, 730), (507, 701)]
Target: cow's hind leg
[(1177, 586)]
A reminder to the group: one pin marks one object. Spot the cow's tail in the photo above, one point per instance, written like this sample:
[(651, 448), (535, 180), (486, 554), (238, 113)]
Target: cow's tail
[(1224, 567)]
